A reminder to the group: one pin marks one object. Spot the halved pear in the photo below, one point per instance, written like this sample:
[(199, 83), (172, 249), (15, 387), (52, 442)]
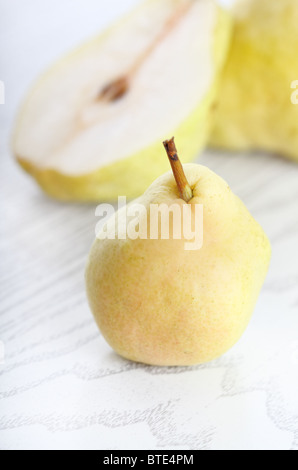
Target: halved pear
[(91, 122)]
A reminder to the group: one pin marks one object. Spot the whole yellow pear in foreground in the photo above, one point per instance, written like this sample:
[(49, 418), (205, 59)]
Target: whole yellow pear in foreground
[(156, 302), (258, 99)]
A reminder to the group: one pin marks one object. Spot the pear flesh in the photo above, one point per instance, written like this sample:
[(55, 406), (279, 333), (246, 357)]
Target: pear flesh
[(157, 303), (257, 104), (89, 124)]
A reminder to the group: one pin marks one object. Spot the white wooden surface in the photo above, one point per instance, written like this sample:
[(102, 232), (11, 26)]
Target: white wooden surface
[(61, 385)]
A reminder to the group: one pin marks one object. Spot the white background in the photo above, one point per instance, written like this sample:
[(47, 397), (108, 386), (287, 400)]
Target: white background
[(61, 385)]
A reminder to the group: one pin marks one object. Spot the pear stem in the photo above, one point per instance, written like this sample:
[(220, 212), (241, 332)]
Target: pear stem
[(177, 168)]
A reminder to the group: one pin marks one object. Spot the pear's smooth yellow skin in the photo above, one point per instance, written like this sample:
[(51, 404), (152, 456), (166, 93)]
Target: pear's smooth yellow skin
[(130, 176), (255, 109), (157, 303)]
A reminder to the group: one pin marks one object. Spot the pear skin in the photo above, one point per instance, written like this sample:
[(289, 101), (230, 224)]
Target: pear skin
[(90, 123)]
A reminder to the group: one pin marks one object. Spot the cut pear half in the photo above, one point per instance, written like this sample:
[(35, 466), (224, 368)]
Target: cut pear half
[(91, 127)]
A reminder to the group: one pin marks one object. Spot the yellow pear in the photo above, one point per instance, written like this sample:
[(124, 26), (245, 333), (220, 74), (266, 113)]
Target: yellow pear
[(91, 122), (258, 98), (156, 301)]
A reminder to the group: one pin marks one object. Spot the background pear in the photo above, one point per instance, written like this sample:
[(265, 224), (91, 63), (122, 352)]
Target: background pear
[(157, 303), (91, 122), (255, 109)]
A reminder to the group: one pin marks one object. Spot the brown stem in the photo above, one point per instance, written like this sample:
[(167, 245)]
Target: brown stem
[(117, 88), (179, 175)]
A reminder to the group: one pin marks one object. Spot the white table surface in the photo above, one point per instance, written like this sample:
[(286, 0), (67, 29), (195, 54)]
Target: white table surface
[(61, 385)]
